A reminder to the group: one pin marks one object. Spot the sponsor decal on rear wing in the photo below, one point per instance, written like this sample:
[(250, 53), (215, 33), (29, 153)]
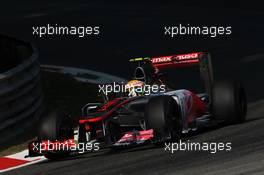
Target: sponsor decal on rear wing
[(182, 60)]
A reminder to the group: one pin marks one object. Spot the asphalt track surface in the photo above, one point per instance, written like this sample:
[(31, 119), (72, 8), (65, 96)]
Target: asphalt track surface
[(136, 29)]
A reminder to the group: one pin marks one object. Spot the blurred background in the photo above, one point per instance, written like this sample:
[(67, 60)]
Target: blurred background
[(136, 29)]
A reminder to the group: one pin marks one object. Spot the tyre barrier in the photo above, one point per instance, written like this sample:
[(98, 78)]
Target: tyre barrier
[(21, 98)]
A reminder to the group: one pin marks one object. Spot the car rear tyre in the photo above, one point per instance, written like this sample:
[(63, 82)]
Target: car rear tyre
[(229, 102)]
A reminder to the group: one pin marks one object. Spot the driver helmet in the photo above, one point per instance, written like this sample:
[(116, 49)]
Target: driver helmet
[(135, 88)]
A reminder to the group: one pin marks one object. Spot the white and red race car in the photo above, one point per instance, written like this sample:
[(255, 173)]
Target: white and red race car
[(153, 118)]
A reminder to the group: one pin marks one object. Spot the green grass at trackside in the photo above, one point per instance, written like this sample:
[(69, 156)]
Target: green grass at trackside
[(61, 92)]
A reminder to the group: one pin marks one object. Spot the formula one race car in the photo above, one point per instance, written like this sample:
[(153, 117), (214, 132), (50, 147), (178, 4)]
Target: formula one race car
[(136, 117)]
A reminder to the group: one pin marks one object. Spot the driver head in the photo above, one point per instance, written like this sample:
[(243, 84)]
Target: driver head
[(135, 88)]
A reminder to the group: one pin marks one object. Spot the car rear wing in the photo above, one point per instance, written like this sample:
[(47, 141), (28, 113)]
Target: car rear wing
[(201, 59), (175, 61)]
